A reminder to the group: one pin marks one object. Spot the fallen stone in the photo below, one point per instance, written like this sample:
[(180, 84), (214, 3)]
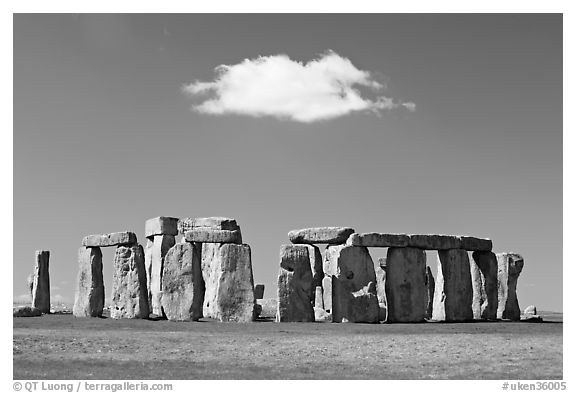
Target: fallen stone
[(509, 268), (41, 282), (488, 265), (207, 235), (161, 226), (110, 239), (475, 244), (531, 315), (160, 246), (89, 297), (182, 288), (269, 308), (530, 310), (354, 297), (26, 311), (430, 286), (322, 235), (320, 315), (129, 292), (229, 282), (259, 291), (406, 291), (374, 239), (295, 285), (319, 298), (453, 292), (434, 242)]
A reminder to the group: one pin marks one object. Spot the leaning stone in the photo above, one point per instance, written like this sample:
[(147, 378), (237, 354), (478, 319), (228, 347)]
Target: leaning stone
[(374, 239), (207, 235), (229, 282), (453, 292), (295, 285), (182, 289), (406, 284), (354, 297), (161, 226), (259, 291), (41, 282), (269, 308), (322, 235), (320, 315), (509, 268), (89, 297), (434, 242), (488, 265), (129, 292), (475, 244), (110, 239), (26, 311), (160, 246), (223, 223), (430, 286)]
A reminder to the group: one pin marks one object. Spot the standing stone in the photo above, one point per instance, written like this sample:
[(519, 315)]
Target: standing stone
[(322, 235), (229, 282), (315, 257), (327, 293), (182, 289), (477, 296), (41, 283), (430, 285), (453, 292), (30, 282), (488, 265), (89, 297), (509, 268), (406, 284), (160, 246), (381, 293), (148, 266), (319, 298), (259, 291), (295, 285), (129, 292), (354, 297)]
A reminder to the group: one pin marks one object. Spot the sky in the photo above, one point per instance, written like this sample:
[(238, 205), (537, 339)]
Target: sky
[(402, 123)]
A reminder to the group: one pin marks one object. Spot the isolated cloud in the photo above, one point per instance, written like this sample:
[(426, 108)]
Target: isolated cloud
[(321, 89)]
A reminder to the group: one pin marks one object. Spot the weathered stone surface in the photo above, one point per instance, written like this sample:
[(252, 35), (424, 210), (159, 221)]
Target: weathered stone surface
[(154, 269), (295, 285), (406, 292), (148, 265), (269, 308), (430, 286), (259, 291), (321, 235), (530, 310), (315, 257), (475, 244), (224, 223), (161, 226), (434, 242), (129, 292), (182, 288), (374, 239), (327, 293), (509, 268), (354, 297), (319, 298), (185, 224), (488, 266), (89, 297), (229, 282), (110, 239), (26, 311), (209, 235), (380, 284), (320, 315), (477, 297), (453, 292), (41, 282)]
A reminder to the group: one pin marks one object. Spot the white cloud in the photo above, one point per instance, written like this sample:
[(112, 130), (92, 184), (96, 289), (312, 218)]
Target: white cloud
[(324, 88)]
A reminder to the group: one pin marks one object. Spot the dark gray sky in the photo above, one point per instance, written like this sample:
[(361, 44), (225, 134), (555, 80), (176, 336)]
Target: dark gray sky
[(104, 137)]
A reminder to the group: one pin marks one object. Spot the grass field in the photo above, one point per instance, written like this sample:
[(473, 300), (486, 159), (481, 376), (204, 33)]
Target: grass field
[(65, 347)]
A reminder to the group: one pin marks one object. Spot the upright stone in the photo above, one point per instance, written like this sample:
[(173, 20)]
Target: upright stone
[(41, 283), (453, 292), (259, 291), (315, 257), (295, 285), (430, 285), (327, 293), (477, 296), (406, 284), (509, 268), (229, 282), (354, 297), (129, 292), (182, 289), (321, 235), (319, 298), (89, 298), (148, 265), (381, 293), (160, 246), (488, 265)]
